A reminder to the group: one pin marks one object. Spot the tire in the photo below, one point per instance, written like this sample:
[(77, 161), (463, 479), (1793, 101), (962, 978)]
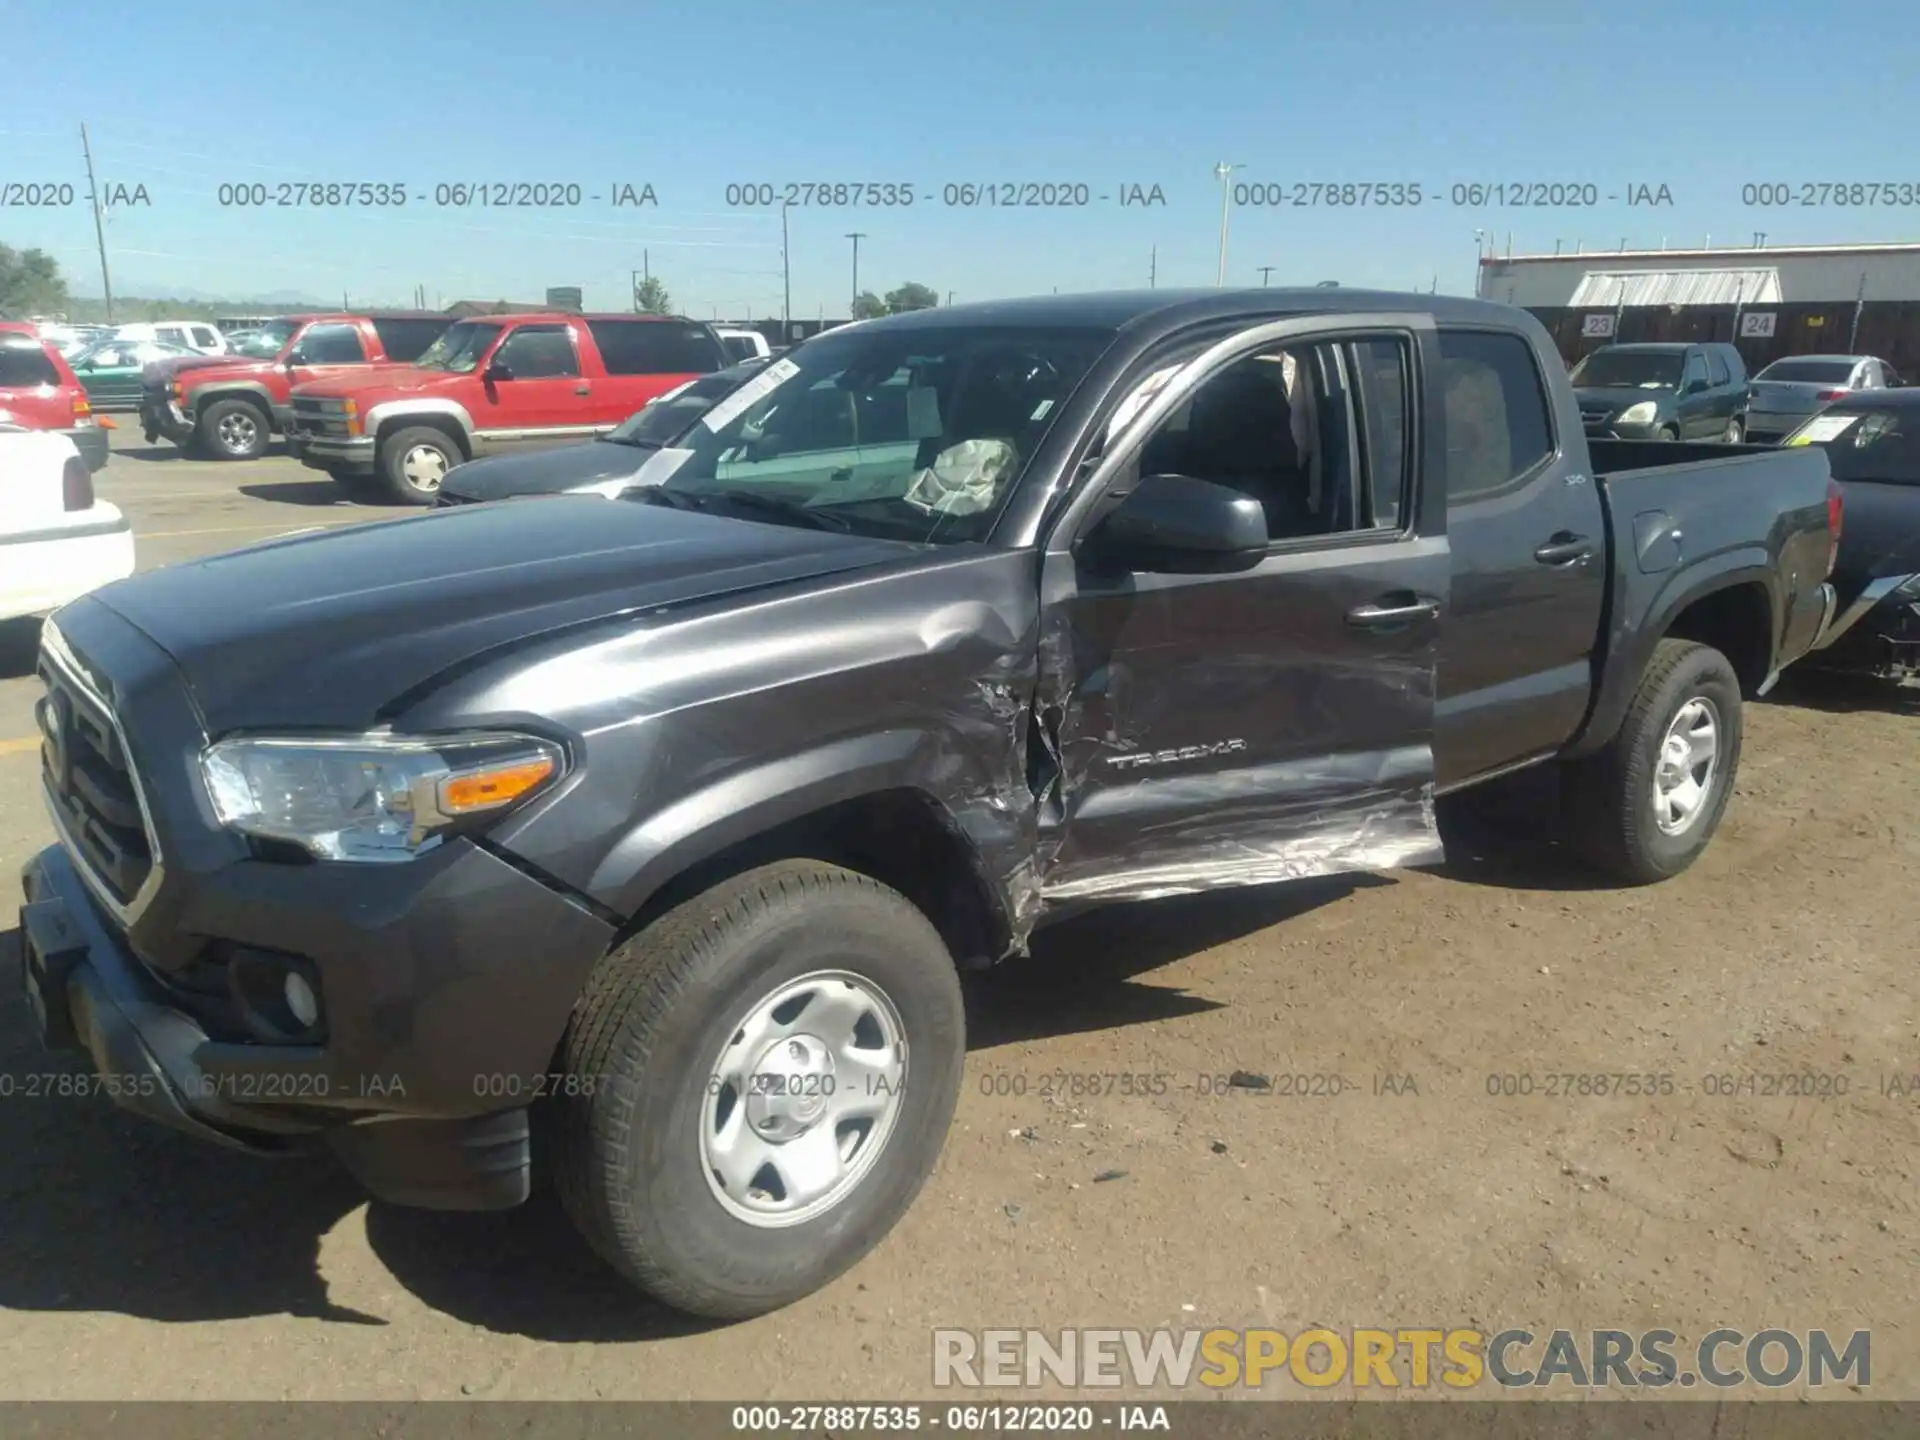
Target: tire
[(1666, 432), (657, 1040), (1613, 798), (234, 430), (1734, 433), (407, 473), (358, 487)]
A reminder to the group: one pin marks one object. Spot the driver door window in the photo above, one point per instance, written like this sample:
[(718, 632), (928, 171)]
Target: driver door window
[(1695, 373), (331, 345)]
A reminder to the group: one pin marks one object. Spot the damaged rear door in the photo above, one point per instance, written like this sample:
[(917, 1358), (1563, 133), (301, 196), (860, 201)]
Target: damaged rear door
[(1205, 721)]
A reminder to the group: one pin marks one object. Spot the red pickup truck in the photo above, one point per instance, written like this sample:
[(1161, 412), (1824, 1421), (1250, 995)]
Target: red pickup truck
[(489, 384), (231, 405)]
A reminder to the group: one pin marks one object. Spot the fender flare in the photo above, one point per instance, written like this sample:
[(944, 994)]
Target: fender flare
[(405, 410), (198, 399), (1630, 648), (749, 803)]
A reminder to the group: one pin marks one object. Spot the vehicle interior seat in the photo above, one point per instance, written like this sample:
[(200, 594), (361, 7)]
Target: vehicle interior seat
[(1241, 434)]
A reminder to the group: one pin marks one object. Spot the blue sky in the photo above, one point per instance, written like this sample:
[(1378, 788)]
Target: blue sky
[(181, 98)]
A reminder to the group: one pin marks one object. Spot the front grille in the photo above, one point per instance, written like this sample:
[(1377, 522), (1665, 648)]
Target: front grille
[(318, 417), (90, 780)]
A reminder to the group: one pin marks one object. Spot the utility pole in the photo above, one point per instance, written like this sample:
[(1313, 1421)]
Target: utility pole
[(1225, 172), (786, 276), (1479, 251), (1153, 268), (1265, 271), (856, 236), (949, 297), (99, 228)]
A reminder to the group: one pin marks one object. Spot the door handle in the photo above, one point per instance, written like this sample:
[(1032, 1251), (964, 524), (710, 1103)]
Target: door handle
[(1565, 549), (582, 390), (1391, 611)]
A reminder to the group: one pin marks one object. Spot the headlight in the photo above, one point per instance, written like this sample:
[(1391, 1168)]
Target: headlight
[(373, 797), (1638, 414)]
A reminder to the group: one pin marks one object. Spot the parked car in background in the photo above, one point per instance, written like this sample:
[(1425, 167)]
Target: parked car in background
[(232, 407), (684, 812), (606, 464), (743, 344), (71, 339), (1872, 442), (57, 540), (492, 385), (194, 335), (1663, 392), (38, 391), (110, 370), (1789, 390)]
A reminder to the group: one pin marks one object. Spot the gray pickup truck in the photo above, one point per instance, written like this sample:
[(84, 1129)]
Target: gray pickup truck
[(663, 826)]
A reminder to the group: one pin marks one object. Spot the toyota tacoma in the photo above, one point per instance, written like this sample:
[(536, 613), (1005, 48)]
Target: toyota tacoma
[(661, 828)]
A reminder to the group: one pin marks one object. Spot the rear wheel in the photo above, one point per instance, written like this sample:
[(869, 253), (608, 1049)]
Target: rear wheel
[(1646, 806), (414, 461), (233, 430), (757, 1086)]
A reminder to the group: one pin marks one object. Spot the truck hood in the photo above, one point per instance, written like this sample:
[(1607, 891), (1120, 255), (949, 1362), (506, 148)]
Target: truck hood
[(1609, 398), (226, 364), (328, 630), (545, 472), (389, 379)]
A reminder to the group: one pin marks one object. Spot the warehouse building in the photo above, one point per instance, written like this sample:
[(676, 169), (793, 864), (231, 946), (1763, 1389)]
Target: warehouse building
[(1769, 300)]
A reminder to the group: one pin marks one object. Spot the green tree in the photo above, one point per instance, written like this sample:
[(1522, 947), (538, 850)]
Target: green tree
[(868, 306), (911, 296), (30, 283), (651, 298)]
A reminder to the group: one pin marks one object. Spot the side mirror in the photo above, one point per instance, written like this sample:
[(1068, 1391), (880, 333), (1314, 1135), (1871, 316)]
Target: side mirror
[(498, 369), (1174, 524)]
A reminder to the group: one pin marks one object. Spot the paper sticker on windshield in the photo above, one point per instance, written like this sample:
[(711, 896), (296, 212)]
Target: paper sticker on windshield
[(756, 389), (1822, 427)]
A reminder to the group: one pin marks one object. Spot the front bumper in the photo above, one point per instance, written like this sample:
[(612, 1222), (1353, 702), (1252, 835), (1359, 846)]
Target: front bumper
[(335, 455), (160, 416), (1605, 428), (91, 442), (445, 991)]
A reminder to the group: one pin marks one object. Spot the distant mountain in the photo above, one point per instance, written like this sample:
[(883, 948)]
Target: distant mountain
[(136, 288)]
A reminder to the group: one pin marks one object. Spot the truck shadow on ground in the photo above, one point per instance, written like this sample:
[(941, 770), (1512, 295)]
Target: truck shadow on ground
[(105, 1213), (1838, 693), (301, 492), (1509, 834)]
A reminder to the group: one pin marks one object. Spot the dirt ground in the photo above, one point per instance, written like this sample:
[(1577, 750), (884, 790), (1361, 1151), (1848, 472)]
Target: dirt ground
[(137, 1265)]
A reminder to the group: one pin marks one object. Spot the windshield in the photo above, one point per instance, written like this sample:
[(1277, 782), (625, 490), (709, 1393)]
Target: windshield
[(1818, 372), (666, 417), (264, 343), (1866, 444), (914, 434), (1629, 370), (459, 349)]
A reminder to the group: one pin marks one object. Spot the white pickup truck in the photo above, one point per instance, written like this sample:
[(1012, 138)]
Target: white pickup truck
[(57, 541)]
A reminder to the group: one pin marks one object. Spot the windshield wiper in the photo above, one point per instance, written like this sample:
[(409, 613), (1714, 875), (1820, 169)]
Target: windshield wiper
[(638, 442), (777, 506)]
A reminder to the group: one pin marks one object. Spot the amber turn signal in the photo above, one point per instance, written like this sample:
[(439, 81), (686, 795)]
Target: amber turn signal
[(493, 787)]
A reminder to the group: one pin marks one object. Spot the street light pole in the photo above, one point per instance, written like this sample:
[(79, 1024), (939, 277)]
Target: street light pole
[(1265, 271), (1225, 173), (786, 278), (1479, 249), (856, 236)]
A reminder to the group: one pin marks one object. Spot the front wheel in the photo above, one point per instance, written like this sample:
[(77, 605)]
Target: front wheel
[(1646, 806), (760, 1083), (233, 430), (1733, 433), (414, 461), (1666, 432)]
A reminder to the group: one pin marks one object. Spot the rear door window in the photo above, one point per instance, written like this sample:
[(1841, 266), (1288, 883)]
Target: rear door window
[(1494, 404), (24, 364), (656, 347), (405, 338)]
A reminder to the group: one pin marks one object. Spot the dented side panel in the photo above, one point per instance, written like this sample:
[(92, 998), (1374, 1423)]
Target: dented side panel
[(1220, 730)]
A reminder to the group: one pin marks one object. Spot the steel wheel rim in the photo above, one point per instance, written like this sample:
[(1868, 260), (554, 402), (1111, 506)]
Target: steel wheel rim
[(802, 1098), (238, 431), (1686, 766), (424, 466)]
